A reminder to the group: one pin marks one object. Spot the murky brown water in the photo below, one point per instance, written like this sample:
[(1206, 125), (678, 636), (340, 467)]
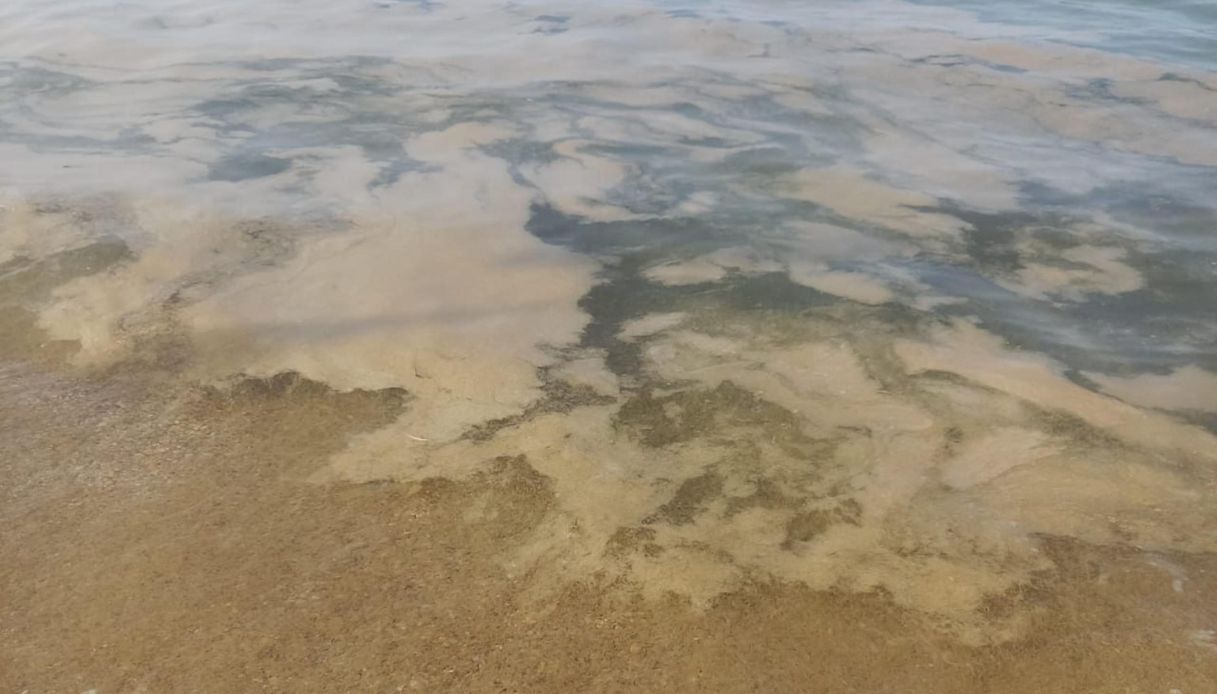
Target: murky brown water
[(729, 347)]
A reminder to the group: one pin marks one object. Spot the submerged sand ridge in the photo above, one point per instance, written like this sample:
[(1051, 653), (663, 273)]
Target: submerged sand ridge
[(906, 322), (750, 454), (833, 444)]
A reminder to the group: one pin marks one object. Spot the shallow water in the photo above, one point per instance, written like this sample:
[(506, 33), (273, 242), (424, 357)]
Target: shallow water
[(903, 302)]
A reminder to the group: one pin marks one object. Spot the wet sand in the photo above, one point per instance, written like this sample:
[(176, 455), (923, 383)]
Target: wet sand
[(167, 540)]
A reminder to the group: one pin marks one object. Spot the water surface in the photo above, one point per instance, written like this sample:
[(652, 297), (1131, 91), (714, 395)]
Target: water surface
[(913, 302)]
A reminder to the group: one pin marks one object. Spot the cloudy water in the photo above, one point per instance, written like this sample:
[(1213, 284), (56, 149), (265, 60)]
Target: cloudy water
[(794, 345)]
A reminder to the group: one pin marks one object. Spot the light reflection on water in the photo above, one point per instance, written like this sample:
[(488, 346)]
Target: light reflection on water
[(1174, 31)]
